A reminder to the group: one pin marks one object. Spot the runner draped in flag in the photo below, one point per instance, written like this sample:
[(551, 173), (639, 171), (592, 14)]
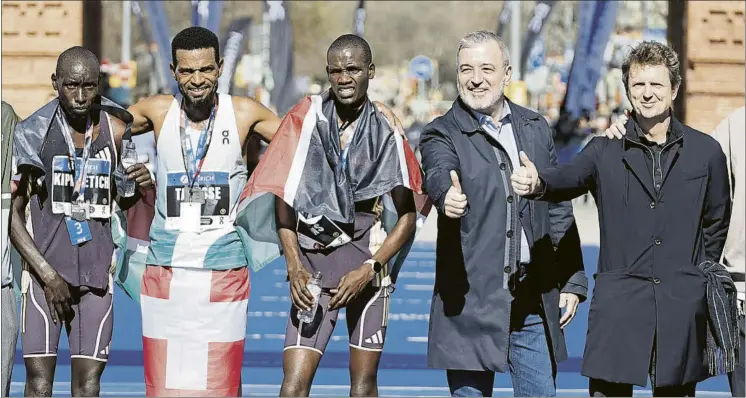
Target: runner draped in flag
[(66, 153), (343, 182), (195, 288)]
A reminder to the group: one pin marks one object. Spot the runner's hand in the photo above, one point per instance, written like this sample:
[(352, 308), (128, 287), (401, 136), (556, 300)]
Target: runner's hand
[(302, 298), (350, 286), (139, 173), (569, 302), (59, 299)]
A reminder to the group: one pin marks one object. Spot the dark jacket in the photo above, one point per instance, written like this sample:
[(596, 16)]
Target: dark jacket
[(470, 314), (648, 284)]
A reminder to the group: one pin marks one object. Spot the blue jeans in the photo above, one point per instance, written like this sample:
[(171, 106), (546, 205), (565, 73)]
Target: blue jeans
[(529, 360)]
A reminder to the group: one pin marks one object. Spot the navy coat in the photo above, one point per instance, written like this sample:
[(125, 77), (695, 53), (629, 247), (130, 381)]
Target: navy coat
[(470, 314), (648, 283)]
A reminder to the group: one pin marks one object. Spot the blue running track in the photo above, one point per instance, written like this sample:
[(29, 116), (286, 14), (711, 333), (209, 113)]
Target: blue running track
[(403, 365)]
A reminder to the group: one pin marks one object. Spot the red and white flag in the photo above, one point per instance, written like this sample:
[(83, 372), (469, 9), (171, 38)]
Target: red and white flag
[(193, 326), (301, 166)]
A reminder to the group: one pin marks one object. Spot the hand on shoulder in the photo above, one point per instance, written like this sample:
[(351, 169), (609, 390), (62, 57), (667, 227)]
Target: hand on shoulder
[(390, 117)]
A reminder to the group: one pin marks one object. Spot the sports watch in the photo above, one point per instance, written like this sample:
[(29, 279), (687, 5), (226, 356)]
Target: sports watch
[(375, 265)]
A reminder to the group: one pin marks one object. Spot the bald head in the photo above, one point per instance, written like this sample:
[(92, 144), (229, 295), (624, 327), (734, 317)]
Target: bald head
[(76, 81), (74, 56)]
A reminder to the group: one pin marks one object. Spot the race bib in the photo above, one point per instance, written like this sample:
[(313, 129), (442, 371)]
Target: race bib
[(97, 195), (214, 213), (316, 233)]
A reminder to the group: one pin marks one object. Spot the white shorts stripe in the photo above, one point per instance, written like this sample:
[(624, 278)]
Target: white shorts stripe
[(39, 355), (88, 357), (43, 315), (360, 347), (292, 347), (101, 328), (365, 310)]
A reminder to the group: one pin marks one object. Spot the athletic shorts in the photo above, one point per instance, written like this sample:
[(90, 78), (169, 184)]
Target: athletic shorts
[(88, 332), (367, 319)]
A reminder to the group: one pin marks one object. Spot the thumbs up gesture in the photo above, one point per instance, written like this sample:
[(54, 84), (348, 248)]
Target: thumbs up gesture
[(455, 202), (525, 179)]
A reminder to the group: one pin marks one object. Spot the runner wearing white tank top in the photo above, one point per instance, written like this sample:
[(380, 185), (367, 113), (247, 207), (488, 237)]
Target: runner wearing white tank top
[(194, 290), (221, 178)]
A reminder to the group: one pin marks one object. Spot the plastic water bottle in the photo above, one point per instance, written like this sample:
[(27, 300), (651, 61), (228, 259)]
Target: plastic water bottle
[(129, 159), (313, 286)]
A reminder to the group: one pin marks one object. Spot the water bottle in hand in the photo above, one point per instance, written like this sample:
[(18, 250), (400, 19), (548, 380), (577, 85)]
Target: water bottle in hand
[(313, 286), (129, 159)]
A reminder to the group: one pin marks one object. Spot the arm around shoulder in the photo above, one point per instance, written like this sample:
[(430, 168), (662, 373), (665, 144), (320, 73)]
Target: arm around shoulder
[(146, 111), (390, 117), (257, 118), (572, 179)]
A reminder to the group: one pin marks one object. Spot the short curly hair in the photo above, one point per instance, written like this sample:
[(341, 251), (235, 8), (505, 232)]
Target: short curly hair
[(653, 53), (195, 38)]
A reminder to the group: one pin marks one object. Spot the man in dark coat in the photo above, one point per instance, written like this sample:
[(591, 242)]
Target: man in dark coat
[(505, 266), (662, 193)]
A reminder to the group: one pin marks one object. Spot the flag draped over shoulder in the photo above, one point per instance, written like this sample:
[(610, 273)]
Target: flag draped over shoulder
[(303, 166), (128, 261)]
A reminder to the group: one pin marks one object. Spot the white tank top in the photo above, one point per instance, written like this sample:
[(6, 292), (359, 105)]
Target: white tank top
[(223, 175)]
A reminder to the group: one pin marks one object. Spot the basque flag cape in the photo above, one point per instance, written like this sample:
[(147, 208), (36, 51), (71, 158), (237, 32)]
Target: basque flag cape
[(303, 166)]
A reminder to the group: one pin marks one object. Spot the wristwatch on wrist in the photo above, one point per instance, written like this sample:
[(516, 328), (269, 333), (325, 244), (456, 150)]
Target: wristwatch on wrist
[(375, 265)]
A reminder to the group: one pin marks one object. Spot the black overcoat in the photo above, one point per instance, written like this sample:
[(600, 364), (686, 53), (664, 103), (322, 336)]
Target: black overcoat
[(648, 285), (470, 313)]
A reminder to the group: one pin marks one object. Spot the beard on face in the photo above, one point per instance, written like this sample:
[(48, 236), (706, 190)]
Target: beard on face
[(197, 102), (484, 104)]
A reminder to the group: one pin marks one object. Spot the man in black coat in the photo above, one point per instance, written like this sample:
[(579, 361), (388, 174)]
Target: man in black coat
[(505, 266), (662, 193)]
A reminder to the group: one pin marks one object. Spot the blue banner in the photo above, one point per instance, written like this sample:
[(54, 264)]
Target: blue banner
[(505, 14), (159, 26), (195, 13), (597, 20), (359, 23), (233, 49), (207, 14), (214, 14), (149, 40), (535, 27), (283, 94)]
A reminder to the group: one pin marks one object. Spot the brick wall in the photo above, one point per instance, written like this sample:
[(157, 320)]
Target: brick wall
[(34, 33), (715, 71)]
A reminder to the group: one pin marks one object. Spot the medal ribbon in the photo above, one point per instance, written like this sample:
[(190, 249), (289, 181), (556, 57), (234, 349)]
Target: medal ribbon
[(82, 172), (193, 164)]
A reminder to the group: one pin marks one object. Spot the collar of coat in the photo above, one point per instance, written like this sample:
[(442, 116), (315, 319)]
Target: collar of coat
[(675, 129), (468, 120)]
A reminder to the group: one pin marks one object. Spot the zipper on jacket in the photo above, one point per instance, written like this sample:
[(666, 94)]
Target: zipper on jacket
[(652, 155)]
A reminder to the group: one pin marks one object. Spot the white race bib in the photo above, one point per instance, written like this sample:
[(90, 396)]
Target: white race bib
[(189, 220), (319, 232), (213, 214), (97, 195)]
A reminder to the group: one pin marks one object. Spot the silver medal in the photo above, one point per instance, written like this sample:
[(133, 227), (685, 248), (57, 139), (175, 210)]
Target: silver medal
[(78, 212)]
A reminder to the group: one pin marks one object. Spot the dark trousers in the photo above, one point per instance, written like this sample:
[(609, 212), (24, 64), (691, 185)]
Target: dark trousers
[(601, 388), (736, 378)]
